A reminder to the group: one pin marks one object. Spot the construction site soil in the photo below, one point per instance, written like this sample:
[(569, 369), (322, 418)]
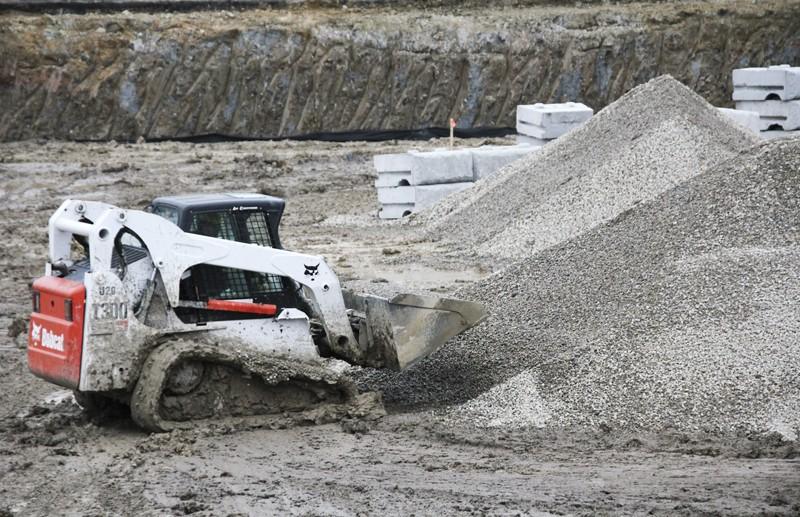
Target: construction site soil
[(617, 304)]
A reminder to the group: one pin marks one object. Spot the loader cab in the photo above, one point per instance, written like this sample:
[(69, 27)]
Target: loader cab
[(249, 218)]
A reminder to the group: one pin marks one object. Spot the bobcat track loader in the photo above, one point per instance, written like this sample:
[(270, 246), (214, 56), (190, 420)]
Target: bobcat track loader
[(190, 310)]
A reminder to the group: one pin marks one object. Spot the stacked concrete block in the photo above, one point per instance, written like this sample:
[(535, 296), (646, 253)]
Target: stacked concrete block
[(395, 193), (747, 119), (415, 180), (393, 169), (441, 166), (529, 140), (411, 181), (772, 92), (395, 211), (545, 122), (403, 195), (489, 159), (783, 115), (427, 195), (780, 82), (398, 202)]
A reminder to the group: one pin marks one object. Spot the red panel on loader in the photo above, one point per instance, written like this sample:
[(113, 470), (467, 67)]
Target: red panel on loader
[(266, 309), (55, 337)]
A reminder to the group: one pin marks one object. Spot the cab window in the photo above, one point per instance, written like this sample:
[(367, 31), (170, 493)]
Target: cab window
[(167, 212), (204, 281), (248, 226)]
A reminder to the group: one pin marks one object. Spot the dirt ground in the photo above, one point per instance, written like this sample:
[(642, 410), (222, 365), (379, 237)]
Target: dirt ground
[(56, 460)]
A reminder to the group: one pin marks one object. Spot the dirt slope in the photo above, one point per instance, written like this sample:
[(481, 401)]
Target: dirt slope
[(279, 72)]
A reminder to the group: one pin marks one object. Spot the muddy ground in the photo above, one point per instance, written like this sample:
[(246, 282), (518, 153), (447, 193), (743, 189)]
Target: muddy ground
[(56, 460)]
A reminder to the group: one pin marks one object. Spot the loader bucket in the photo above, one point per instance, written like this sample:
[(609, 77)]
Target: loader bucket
[(397, 333)]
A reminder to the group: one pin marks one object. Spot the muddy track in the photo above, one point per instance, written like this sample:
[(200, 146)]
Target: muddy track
[(304, 392)]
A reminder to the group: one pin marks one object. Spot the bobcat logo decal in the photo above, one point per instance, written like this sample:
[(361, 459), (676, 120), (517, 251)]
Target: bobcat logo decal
[(311, 271), (36, 333)]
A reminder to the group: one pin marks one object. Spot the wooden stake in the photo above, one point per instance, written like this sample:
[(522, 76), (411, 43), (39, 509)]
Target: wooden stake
[(452, 127)]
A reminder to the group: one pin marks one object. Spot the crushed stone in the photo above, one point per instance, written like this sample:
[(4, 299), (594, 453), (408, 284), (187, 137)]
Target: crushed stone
[(516, 403), (653, 138), (678, 314)]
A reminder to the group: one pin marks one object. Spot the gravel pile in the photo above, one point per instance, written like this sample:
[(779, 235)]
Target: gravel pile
[(651, 139), (680, 313)]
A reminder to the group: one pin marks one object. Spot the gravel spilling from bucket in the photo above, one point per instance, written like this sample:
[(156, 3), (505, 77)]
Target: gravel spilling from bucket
[(653, 138), (680, 313), (516, 403)]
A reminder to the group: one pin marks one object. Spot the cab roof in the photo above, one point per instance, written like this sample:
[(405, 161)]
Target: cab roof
[(222, 200)]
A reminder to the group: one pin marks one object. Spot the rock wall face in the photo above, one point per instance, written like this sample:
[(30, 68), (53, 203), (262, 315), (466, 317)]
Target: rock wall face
[(274, 73)]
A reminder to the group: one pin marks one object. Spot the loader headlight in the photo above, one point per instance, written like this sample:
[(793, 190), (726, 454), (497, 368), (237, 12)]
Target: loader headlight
[(36, 301), (68, 310)]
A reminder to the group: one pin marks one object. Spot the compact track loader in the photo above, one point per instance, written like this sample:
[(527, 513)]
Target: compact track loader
[(191, 310)]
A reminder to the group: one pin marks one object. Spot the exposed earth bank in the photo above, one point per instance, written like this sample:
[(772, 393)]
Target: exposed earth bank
[(282, 72)]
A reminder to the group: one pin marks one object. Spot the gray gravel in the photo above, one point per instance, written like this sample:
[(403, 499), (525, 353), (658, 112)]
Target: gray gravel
[(680, 313), (651, 139)]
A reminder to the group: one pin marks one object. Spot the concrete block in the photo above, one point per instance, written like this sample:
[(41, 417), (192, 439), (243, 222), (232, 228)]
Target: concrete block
[(395, 195), (545, 133), (747, 119), (781, 82), (531, 141), (540, 114), (489, 159), (548, 121), (393, 179), (775, 135), (427, 195), (392, 162), (774, 114), (435, 167), (395, 211)]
